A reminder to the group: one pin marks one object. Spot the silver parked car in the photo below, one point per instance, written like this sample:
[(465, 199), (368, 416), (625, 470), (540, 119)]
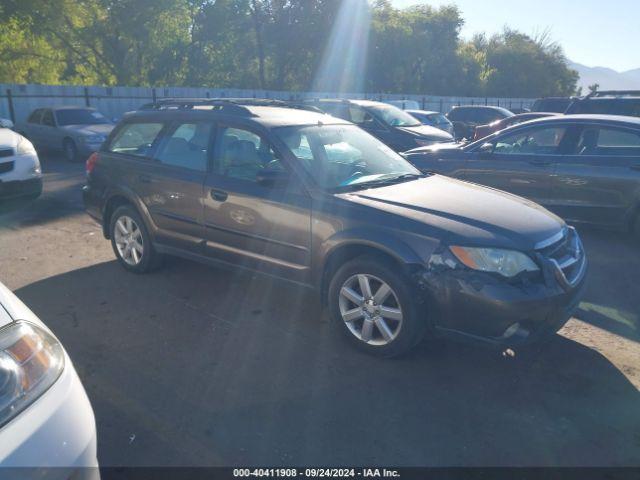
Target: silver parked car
[(76, 131)]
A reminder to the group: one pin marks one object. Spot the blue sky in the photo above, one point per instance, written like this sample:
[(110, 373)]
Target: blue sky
[(592, 32)]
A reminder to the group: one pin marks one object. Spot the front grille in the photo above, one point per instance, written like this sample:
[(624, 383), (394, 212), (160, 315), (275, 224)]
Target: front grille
[(6, 167), (567, 257), (6, 152)]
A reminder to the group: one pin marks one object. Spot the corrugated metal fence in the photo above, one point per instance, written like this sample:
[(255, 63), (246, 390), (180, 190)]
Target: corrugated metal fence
[(17, 101)]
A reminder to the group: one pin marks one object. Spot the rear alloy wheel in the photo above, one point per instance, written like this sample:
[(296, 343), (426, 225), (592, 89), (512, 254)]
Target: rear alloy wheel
[(376, 306), (70, 150), (131, 242)]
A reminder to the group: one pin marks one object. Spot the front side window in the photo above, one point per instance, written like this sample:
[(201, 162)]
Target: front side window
[(539, 141), (337, 156), (608, 141), (135, 138), (80, 116), (242, 154), (186, 146)]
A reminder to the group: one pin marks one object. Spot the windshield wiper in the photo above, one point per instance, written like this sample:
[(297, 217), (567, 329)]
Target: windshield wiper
[(380, 182)]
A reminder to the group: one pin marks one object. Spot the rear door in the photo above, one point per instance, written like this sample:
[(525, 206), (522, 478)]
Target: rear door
[(165, 164), (249, 223), (599, 182), (520, 162)]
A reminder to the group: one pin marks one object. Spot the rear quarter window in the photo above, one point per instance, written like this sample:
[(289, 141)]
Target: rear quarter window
[(135, 138)]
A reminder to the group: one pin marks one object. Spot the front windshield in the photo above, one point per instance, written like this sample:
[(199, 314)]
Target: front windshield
[(439, 119), (80, 116), (393, 116), (344, 156)]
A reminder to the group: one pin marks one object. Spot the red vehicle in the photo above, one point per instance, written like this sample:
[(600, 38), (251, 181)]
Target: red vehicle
[(482, 131)]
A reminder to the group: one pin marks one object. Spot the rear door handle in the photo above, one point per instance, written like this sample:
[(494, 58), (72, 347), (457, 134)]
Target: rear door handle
[(218, 195), (540, 163), (635, 167), (144, 178)]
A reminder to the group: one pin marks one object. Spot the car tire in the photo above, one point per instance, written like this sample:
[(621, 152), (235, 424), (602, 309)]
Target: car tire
[(131, 241), (70, 150), (387, 335)]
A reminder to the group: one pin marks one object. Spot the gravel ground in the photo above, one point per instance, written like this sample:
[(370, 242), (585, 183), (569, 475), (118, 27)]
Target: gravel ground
[(198, 366)]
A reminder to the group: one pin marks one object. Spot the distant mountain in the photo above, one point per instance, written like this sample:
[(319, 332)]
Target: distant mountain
[(608, 78)]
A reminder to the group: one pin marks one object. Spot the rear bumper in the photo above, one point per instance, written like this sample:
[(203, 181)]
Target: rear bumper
[(31, 188), (481, 308), (92, 203)]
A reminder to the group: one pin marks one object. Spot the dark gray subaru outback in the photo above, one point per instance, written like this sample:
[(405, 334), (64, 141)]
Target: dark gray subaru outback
[(316, 200)]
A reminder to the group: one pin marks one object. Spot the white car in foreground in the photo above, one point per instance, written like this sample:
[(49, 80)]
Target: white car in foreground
[(20, 173), (46, 419)]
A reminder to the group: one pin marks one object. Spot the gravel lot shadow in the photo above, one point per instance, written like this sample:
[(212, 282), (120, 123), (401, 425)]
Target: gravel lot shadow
[(199, 366), (610, 302)]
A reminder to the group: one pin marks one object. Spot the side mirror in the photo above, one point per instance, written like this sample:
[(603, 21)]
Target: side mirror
[(273, 178), (6, 123)]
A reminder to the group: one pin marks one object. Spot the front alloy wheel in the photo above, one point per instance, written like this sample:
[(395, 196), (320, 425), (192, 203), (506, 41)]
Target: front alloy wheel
[(370, 309), (377, 306)]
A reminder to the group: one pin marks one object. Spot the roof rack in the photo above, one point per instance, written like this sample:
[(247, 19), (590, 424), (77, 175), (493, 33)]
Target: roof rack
[(272, 102), (222, 104), (227, 105), (614, 93)]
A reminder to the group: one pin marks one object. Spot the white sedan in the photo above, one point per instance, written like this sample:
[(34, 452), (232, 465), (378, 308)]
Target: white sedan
[(20, 173), (46, 419)]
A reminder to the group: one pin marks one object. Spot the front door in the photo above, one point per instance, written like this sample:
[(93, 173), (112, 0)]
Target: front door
[(249, 222), (521, 162)]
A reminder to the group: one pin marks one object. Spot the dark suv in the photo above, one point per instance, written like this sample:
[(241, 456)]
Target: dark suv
[(394, 127), (316, 200), (608, 102)]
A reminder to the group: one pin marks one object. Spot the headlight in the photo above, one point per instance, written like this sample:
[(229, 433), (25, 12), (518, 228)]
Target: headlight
[(508, 263), (24, 147), (95, 138), (423, 142), (31, 360)]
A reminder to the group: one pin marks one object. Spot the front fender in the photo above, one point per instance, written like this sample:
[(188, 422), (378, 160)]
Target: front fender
[(406, 248)]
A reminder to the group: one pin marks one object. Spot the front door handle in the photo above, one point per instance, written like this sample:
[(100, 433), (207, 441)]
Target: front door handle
[(540, 163), (144, 178), (635, 167), (218, 195)]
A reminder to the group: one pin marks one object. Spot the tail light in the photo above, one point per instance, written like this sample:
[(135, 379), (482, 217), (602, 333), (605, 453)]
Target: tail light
[(91, 162)]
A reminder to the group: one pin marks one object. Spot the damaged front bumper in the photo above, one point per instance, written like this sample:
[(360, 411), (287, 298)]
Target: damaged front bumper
[(488, 308)]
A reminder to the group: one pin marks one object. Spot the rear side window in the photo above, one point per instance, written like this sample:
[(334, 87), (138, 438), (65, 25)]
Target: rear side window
[(135, 138), (608, 142), (336, 109), (186, 146)]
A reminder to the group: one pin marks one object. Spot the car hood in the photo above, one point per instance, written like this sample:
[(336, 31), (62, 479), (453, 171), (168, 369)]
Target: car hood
[(8, 138), (427, 131), (98, 129), (464, 213)]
